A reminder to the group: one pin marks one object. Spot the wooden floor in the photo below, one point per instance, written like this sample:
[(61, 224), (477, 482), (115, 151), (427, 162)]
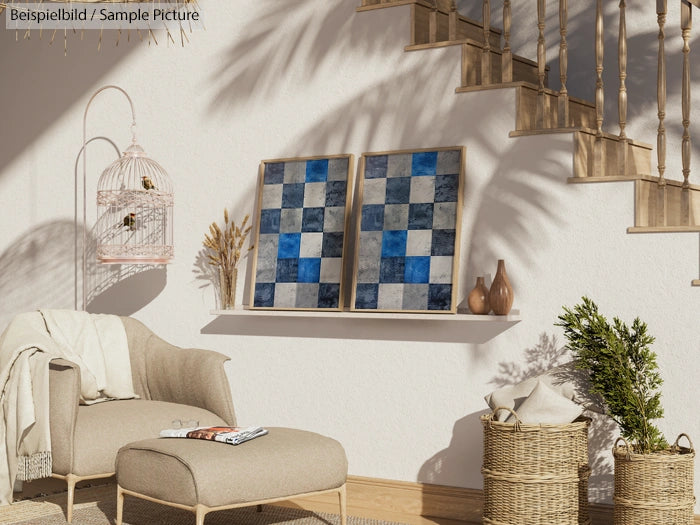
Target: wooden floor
[(386, 500), (395, 517), (43, 487)]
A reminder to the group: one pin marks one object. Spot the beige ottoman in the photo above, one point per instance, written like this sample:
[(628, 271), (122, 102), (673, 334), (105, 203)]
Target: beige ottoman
[(204, 476)]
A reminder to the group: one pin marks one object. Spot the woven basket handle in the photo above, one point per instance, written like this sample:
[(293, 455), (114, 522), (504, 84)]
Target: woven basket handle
[(515, 414), (675, 445), (627, 445)]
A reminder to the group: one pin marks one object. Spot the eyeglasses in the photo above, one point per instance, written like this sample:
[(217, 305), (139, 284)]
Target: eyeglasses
[(184, 423)]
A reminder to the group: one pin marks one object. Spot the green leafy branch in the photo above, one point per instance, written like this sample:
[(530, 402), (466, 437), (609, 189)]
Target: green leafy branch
[(622, 369)]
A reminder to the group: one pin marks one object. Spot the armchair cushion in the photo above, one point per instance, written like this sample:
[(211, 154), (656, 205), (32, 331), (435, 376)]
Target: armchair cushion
[(102, 429)]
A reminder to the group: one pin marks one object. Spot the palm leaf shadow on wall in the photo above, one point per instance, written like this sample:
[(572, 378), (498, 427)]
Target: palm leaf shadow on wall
[(292, 35)]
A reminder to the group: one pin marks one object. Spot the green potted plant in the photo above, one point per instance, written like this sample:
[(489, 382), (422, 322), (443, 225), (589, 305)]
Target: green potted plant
[(653, 481)]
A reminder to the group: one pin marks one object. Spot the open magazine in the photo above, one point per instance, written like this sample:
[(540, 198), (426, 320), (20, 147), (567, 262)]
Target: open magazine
[(230, 435)]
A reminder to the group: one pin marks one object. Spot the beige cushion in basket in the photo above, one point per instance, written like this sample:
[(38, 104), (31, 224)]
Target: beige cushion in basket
[(547, 407), (512, 396)]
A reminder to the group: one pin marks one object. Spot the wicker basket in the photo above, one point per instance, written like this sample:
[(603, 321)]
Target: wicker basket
[(654, 489), (535, 474)]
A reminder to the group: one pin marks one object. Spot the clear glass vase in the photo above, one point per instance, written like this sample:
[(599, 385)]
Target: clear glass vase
[(227, 289)]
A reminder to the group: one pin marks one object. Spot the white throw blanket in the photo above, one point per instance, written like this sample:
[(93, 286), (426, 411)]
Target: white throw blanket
[(97, 343)]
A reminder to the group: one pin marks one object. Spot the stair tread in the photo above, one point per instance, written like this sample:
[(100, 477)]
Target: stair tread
[(664, 229), (579, 129), (522, 84), (394, 3), (471, 42), (641, 176)]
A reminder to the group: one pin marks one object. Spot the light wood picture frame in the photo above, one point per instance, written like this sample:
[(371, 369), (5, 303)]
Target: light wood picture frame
[(408, 229), (303, 209)]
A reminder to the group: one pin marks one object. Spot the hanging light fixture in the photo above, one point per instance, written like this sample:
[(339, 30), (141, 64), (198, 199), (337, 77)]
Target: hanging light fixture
[(134, 206)]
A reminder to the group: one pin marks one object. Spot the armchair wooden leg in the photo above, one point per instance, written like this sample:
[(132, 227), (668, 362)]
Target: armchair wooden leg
[(200, 511), (120, 505), (342, 496), (71, 480)]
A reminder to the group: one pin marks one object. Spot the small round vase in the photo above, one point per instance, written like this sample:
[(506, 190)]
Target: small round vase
[(501, 293), (478, 299)]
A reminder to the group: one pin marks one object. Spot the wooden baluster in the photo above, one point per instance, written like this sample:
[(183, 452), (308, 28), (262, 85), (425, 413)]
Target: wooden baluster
[(453, 20), (541, 63), (563, 99), (507, 56), (686, 25), (622, 95), (599, 92), (661, 10), (433, 23), (486, 54)]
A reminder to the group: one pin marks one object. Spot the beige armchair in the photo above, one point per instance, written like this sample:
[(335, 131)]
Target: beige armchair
[(172, 382)]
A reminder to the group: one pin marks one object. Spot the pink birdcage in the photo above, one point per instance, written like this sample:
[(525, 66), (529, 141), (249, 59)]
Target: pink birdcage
[(135, 211)]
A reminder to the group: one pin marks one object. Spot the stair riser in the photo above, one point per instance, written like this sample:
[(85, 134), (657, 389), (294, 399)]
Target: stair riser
[(471, 68), (638, 158), (475, 31), (465, 28), (682, 206), (580, 115)]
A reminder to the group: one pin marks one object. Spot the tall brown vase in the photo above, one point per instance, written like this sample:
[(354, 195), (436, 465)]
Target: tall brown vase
[(478, 299), (501, 293)]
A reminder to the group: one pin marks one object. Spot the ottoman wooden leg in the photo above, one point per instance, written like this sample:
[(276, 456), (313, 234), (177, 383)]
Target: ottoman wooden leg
[(120, 505)]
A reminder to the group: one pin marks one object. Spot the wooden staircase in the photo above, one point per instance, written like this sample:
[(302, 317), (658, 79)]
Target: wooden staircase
[(598, 156)]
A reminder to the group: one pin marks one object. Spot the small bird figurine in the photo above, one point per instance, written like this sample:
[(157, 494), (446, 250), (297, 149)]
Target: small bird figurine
[(147, 183), (130, 222)]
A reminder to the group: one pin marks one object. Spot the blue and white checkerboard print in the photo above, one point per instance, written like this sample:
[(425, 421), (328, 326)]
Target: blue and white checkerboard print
[(407, 231), (301, 230)]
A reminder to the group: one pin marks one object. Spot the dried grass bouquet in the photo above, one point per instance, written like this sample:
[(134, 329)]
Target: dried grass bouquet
[(226, 249)]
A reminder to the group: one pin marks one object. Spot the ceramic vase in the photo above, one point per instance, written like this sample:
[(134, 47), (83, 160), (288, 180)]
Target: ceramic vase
[(478, 298), (501, 293), (227, 289)]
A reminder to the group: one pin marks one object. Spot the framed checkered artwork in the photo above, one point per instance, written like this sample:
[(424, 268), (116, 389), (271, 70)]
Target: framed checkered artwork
[(408, 231), (303, 207)]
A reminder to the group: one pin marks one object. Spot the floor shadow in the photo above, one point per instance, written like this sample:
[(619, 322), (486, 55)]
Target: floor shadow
[(141, 512)]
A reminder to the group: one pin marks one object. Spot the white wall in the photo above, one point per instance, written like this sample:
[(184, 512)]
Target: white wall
[(279, 78)]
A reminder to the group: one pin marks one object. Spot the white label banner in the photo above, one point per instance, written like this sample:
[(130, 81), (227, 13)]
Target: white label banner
[(113, 15)]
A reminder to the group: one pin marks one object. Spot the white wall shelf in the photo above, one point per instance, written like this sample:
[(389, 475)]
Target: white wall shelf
[(383, 326), (461, 317)]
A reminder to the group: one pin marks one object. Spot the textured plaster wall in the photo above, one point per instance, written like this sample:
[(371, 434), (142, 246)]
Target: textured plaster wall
[(271, 79)]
